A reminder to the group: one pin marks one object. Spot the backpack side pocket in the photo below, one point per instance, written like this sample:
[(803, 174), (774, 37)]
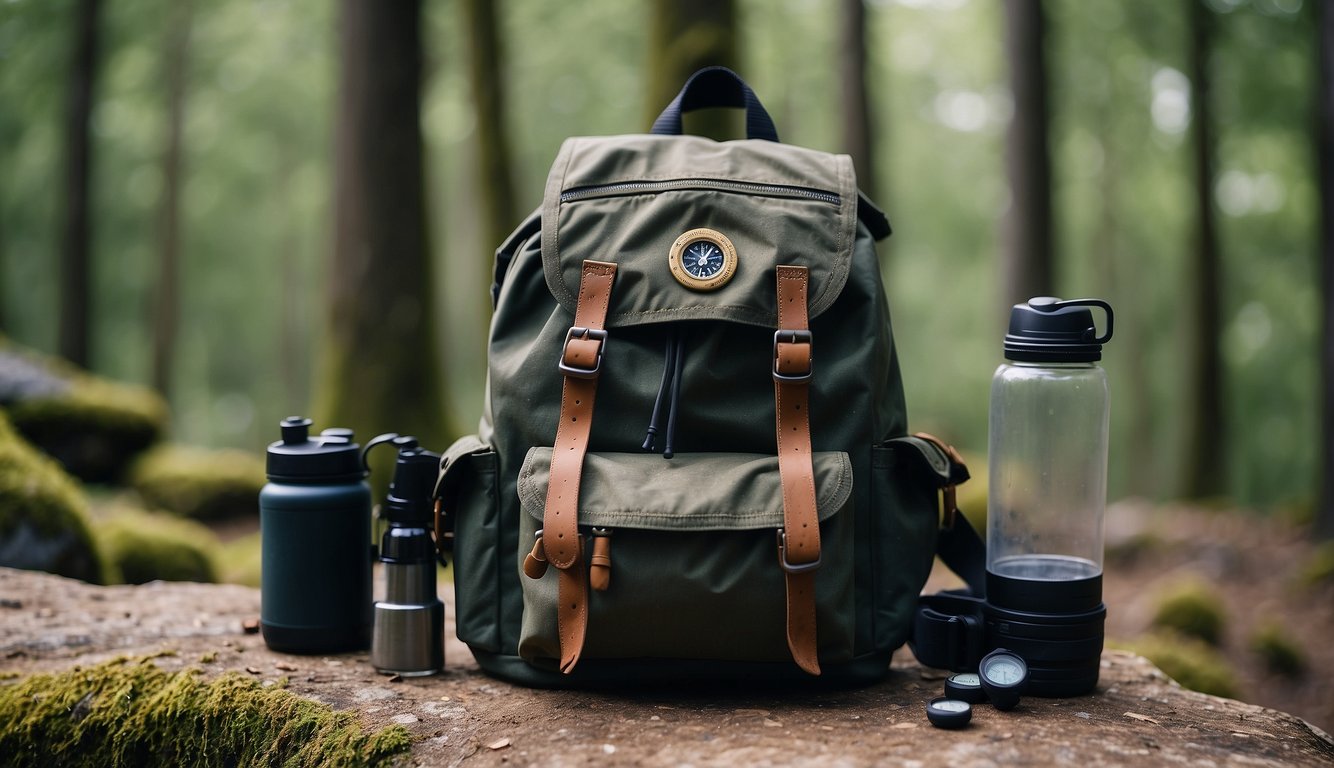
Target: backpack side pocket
[(905, 520), (467, 490)]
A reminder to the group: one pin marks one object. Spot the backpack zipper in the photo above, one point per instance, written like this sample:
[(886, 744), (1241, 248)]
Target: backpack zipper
[(668, 185)]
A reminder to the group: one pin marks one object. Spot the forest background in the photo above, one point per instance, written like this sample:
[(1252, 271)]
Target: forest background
[(1176, 177)]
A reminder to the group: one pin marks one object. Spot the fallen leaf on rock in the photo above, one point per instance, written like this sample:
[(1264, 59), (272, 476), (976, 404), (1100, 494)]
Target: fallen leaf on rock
[(1139, 717), (252, 670), (498, 744), (284, 666)]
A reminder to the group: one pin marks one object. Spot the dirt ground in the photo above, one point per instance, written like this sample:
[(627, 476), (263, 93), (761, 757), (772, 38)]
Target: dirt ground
[(1136, 717)]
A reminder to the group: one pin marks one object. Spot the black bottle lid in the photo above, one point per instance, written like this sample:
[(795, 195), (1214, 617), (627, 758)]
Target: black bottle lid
[(331, 456), (1049, 330), (410, 494)]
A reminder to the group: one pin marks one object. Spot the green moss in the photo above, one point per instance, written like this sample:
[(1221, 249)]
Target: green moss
[(238, 560), (1192, 663), (44, 515), (147, 547), (1193, 609), (131, 713), (198, 483), (1280, 653)]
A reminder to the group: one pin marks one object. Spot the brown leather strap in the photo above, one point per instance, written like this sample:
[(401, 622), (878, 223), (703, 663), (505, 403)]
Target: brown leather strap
[(799, 541), (581, 363)]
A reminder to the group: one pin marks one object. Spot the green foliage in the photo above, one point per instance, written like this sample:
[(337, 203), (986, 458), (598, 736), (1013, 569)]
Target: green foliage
[(239, 560), (1192, 609), (1273, 643), (1192, 663), (131, 713), (148, 547), (198, 483), (44, 515)]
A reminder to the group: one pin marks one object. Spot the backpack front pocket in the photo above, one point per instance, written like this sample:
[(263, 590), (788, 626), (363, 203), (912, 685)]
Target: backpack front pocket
[(694, 568)]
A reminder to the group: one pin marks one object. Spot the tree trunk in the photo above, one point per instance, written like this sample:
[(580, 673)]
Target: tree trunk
[(684, 36), (495, 178), (166, 314), (76, 237), (380, 369), (1027, 262), (1206, 451), (1325, 156), (858, 133)]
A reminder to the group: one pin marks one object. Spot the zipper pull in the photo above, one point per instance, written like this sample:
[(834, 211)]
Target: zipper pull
[(599, 569), (535, 564)]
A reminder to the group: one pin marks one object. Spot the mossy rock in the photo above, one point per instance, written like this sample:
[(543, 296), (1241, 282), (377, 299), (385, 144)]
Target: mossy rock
[(132, 713), (93, 426), (1275, 646), (150, 547), (1191, 662), (44, 521), (1193, 609), (200, 483)]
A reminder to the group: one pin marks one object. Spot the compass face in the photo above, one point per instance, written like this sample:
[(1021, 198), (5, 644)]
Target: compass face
[(702, 259)]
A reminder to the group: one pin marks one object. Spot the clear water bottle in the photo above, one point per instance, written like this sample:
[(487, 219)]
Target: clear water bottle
[(1048, 490)]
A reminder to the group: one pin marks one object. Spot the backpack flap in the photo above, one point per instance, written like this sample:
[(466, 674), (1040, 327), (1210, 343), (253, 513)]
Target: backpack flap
[(631, 199)]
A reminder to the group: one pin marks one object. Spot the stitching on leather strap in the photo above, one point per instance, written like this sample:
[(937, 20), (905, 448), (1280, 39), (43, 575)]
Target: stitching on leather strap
[(799, 541), (560, 522)]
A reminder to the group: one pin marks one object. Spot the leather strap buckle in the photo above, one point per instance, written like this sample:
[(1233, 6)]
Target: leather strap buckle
[(573, 368), (797, 567), (793, 337)]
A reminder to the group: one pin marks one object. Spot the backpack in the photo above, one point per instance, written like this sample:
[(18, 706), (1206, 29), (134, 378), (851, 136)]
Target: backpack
[(693, 460)]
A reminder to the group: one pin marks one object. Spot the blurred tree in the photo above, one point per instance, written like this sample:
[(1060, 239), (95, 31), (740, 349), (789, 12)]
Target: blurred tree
[(684, 36), (166, 312), (1324, 140), (1205, 454), (852, 71), (75, 272), (380, 367), (495, 178), (1027, 259)]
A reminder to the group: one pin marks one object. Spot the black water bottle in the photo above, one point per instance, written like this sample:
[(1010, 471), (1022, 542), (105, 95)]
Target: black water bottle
[(315, 538)]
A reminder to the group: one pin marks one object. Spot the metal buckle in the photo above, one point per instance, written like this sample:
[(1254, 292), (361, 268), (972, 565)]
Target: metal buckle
[(793, 337), (782, 557), (582, 333)]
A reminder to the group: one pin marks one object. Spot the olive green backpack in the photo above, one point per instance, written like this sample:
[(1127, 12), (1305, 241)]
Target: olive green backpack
[(693, 459)]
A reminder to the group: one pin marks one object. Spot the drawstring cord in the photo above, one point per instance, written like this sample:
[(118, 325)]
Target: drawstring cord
[(669, 390), (667, 374), (668, 451)]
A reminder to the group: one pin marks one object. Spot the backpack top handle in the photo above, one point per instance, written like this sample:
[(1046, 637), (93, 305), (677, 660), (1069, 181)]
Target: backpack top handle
[(716, 87)]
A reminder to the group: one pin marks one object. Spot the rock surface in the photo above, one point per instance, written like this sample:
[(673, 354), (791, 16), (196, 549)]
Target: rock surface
[(1137, 716)]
